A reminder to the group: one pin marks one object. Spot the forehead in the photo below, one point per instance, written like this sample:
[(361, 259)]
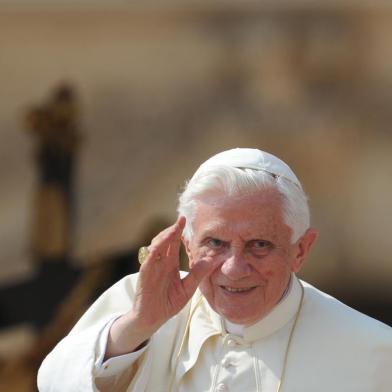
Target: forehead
[(253, 215)]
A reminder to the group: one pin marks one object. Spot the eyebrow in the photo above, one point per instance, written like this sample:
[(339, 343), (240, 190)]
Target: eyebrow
[(211, 233)]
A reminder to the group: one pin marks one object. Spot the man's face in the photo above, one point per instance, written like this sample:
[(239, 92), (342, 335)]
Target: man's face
[(248, 236)]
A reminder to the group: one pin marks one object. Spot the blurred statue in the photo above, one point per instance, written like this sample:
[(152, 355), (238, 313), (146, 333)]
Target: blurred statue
[(55, 128)]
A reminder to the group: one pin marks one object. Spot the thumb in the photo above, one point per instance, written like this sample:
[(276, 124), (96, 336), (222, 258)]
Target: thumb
[(201, 269)]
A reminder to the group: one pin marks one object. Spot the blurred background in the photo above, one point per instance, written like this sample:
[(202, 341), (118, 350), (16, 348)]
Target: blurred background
[(106, 107)]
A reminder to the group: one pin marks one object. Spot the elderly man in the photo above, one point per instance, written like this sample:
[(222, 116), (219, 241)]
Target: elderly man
[(240, 320)]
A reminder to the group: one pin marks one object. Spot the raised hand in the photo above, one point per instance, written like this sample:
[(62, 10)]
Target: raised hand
[(161, 292)]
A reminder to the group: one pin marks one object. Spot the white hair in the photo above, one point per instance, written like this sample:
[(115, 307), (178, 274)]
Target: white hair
[(232, 181)]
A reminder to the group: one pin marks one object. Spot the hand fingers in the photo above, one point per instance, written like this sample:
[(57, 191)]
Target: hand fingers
[(174, 246), (201, 269), (178, 225), (167, 243)]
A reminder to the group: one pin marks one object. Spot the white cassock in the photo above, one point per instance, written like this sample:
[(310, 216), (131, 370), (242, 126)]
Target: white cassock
[(333, 349)]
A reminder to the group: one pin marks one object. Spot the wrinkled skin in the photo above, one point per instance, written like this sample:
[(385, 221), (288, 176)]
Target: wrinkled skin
[(247, 237)]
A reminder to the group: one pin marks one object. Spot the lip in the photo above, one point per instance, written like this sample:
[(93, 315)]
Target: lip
[(237, 291)]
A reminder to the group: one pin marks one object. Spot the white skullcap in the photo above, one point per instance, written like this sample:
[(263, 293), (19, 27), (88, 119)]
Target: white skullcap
[(251, 158)]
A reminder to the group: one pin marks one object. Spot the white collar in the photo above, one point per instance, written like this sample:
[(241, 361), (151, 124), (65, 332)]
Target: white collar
[(279, 316)]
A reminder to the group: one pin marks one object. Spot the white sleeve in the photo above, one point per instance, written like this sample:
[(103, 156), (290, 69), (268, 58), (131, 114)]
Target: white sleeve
[(74, 361), (116, 365)]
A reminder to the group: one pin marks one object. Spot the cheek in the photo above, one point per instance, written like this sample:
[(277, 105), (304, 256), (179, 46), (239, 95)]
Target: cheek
[(272, 269), (268, 273), (206, 287), (265, 269)]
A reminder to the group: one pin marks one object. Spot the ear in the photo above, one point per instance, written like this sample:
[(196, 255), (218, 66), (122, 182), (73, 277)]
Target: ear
[(302, 248)]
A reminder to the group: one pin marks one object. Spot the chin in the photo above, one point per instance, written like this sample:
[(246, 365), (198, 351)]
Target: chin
[(242, 319)]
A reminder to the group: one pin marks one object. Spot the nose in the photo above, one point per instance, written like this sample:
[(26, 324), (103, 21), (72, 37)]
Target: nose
[(235, 267)]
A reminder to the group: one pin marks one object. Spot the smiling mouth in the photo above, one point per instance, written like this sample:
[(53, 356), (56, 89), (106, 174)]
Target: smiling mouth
[(236, 290)]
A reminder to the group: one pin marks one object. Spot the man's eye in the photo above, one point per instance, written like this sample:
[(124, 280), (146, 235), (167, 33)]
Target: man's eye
[(214, 243), (260, 247), (260, 244)]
